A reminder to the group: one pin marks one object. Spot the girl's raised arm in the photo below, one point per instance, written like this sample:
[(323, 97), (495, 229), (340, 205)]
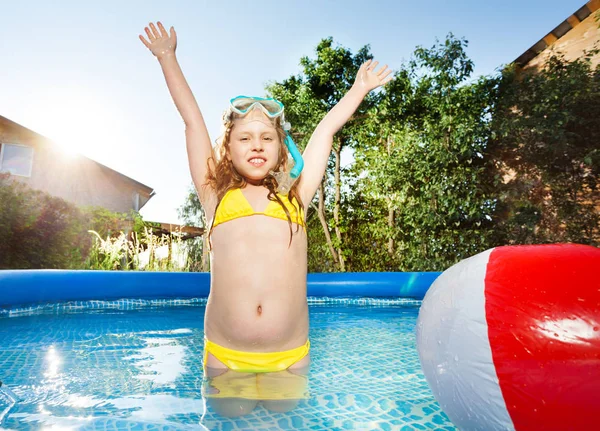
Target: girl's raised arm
[(318, 149), (199, 148)]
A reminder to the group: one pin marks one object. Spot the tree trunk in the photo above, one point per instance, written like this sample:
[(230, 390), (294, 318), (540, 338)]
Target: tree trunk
[(391, 226), (390, 208), (169, 251), (205, 253), (336, 205), (323, 220), (205, 264)]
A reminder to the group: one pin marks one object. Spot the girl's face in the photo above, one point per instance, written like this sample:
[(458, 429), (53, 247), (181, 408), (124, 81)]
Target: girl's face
[(254, 146)]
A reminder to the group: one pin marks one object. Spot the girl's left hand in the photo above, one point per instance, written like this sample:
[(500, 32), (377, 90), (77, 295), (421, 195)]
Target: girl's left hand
[(368, 79)]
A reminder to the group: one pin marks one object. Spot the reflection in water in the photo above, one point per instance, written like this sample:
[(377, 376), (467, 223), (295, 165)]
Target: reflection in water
[(230, 393), (81, 401), (53, 361), (158, 408), (155, 409), (161, 361), (53, 423), (55, 380)]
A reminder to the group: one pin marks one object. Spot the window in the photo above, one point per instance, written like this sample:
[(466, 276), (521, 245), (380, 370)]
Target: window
[(16, 159)]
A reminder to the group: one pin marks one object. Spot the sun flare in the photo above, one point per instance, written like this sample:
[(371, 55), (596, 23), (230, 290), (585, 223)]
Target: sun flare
[(77, 120)]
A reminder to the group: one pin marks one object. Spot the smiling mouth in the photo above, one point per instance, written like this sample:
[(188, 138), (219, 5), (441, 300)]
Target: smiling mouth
[(257, 161)]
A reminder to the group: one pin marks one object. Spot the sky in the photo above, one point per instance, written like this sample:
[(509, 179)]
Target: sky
[(76, 72)]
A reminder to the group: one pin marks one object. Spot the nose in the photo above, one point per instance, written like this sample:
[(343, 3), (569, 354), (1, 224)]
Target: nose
[(257, 145)]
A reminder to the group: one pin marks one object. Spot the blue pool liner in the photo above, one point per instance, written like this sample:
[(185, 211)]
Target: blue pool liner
[(22, 287)]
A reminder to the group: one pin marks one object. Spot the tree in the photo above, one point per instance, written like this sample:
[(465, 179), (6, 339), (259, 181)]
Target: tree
[(307, 98), (545, 140), (38, 230), (193, 214), (423, 162), (446, 166)]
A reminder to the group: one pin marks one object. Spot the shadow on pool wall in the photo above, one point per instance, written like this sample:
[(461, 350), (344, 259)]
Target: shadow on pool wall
[(26, 287)]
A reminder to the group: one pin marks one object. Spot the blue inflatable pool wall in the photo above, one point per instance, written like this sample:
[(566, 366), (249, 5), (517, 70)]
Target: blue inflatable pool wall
[(25, 287)]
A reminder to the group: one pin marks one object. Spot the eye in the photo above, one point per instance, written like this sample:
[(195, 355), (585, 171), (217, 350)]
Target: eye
[(243, 139)]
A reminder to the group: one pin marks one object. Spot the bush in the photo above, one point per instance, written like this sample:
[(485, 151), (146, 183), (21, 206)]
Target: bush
[(38, 230), (145, 251)]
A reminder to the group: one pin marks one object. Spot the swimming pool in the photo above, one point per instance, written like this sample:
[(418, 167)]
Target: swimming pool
[(135, 364)]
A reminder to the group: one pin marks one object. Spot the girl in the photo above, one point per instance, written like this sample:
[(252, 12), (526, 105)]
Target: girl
[(256, 317)]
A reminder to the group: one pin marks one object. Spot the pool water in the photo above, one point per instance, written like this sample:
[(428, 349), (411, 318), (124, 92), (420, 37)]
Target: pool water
[(136, 365)]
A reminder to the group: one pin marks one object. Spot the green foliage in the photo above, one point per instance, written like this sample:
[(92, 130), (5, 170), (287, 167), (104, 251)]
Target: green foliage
[(423, 152), (38, 230), (108, 254), (319, 257), (124, 241), (324, 80), (108, 223), (546, 134), (307, 97), (192, 213), (446, 166), (140, 252)]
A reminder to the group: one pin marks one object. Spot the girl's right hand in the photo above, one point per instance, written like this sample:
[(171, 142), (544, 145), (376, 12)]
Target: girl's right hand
[(161, 44)]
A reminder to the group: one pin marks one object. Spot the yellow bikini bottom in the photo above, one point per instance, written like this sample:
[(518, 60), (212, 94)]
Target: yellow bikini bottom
[(256, 375), (255, 362)]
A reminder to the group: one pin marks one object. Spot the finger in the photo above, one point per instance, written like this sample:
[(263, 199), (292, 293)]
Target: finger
[(144, 41), (163, 32), (386, 75), (154, 30), (373, 66), (387, 80), (382, 70), (173, 34), (151, 37)]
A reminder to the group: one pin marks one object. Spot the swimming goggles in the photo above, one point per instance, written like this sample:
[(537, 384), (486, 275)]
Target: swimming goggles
[(272, 108), (243, 104)]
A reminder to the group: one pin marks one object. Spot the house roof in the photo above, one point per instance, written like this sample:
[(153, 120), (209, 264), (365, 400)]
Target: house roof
[(559, 31), (146, 190)]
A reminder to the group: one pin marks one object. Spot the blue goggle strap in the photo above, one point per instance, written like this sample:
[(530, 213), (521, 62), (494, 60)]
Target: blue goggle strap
[(298, 160)]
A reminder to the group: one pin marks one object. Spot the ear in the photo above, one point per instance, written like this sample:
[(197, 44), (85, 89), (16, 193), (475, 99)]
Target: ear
[(227, 149)]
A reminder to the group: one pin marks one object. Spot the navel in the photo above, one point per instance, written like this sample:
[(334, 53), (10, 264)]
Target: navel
[(259, 310)]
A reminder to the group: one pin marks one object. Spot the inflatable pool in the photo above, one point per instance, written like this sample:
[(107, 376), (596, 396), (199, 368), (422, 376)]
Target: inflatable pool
[(84, 351)]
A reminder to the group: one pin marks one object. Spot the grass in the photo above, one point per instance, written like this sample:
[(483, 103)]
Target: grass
[(139, 252)]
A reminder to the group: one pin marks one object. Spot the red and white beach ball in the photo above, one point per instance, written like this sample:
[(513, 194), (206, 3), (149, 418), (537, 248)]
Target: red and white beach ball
[(509, 339)]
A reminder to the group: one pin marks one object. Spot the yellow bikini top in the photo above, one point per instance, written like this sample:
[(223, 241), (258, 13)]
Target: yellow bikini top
[(235, 205)]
